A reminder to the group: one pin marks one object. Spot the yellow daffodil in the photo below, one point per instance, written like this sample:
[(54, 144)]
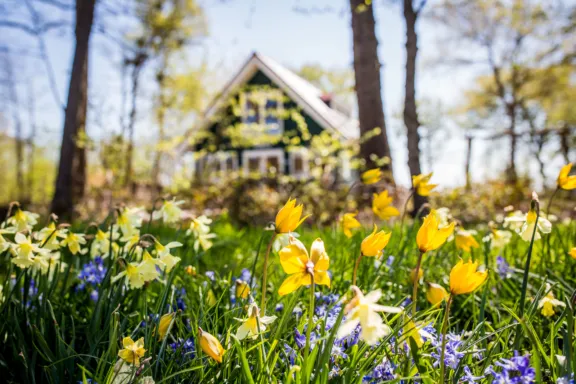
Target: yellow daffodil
[(498, 238), (303, 268), (364, 310), (147, 267), (371, 176), (50, 236), (349, 222), (382, 206), (164, 324), (165, 258), (200, 227), (435, 294), (421, 186), (74, 241), (254, 324), (210, 345), (375, 242), (548, 303), (528, 223), (413, 275), (430, 236), (464, 278), (288, 217), (572, 253), (564, 180), (170, 212), (23, 220), (465, 240), (129, 220), (24, 250), (242, 289), (133, 275), (101, 245), (132, 351)]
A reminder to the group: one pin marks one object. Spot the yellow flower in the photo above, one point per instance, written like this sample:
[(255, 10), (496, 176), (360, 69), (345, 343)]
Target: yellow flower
[(572, 253), (430, 236), (364, 310), (133, 275), (529, 222), (242, 289), (147, 267), (435, 294), (210, 345), (549, 302), (349, 222), (464, 278), (170, 212), (190, 270), (413, 274), (374, 243), (129, 220), (465, 240), (24, 250), (254, 324), (565, 181), (132, 351), (165, 258), (498, 238), (421, 186), (49, 236), (288, 217), (164, 324), (371, 176), (301, 267), (382, 206), (74, 241), (23, 220)]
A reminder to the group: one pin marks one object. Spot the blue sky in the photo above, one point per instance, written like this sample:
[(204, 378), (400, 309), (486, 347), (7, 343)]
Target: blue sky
[(276, 29)]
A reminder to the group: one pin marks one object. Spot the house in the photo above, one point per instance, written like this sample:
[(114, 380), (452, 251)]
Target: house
[(263, 122)]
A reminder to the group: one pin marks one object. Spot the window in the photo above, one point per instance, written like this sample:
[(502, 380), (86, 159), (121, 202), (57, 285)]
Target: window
[(299, 166), (263, 161), (220, 163), (262, 112)]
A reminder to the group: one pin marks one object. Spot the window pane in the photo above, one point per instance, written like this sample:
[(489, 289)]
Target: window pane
[(272, 164), (229, 164), (251, 112), (298, 164), (254, 164)]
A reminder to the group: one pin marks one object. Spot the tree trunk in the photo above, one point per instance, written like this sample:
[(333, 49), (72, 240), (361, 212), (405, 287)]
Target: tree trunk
[(410, 111), (368, 85), (71, 178), (511, 175), (469, 139), (137, 66)]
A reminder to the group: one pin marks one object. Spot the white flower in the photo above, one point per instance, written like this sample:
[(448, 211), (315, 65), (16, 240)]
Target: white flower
[(254, 324), (170, 211), (498, 238), (200, 227), (23, 220), (514, 220), (528, 223), (166, 259), (24, 250), (147, 267), (444, 216), (363, 310), (129, 220)]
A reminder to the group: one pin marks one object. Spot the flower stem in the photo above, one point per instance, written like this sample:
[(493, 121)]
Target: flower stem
[(550, 202), (527, 266), (444, 331), (415, 288), (404, 216), (309, 330), (265, 273), (356, 269)]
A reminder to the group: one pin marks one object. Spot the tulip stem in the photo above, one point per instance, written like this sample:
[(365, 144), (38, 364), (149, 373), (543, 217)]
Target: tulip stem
[(356, 269), (265, 273), (309, 330), (415, 288), (444, 331)]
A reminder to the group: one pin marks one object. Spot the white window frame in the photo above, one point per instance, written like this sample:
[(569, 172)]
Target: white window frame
[(268, 94), (345, 166), (302, 152), (221, 157), (262, 154)]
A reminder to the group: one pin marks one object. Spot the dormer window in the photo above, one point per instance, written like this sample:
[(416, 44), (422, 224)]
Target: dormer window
[(261, 112)]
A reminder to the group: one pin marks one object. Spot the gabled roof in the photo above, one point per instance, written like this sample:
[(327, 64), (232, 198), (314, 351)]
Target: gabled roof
[(303, 93)]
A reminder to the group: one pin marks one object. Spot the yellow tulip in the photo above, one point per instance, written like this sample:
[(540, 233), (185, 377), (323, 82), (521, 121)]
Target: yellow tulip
[(375, 242), (435, 294), (564, 180), (572, 253), (464, 278), (164, 324), (349, 222), (465, 240), (288, 217), (382, 206), (371, 176), (421, 186), (210, 345), (132, 351), (430, 236), (242, 289), (413, 275), (303, 268)]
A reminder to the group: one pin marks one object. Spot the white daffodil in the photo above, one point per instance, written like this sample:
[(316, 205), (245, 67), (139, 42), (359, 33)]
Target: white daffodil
[(74, 242), (498, 238), (364, 310), (200, 227), (444, 216), (254, 324), (130, 220), (514, 220), (528, 223), (170, 212), (4, 244), (147, 267), (24, 250), (549, 302), (166, 259), (23, 220), (102, 245)]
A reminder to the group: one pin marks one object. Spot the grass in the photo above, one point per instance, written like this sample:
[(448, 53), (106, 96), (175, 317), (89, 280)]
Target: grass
[(53, 330)]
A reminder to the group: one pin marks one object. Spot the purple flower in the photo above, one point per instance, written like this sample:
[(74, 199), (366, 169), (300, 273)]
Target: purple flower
[(300, 339), (469, 377), (338, 351), (452, 355), (279, 307), (381, 373), (92, 273), (94, 295), (186, 347), (502, 267), (515, 370), (290, 353), (210, 275)]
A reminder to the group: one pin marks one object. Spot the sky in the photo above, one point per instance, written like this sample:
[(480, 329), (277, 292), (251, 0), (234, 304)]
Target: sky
[(294, 33)]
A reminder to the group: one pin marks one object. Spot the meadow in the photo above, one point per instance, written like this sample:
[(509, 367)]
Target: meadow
[(148, 296)]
